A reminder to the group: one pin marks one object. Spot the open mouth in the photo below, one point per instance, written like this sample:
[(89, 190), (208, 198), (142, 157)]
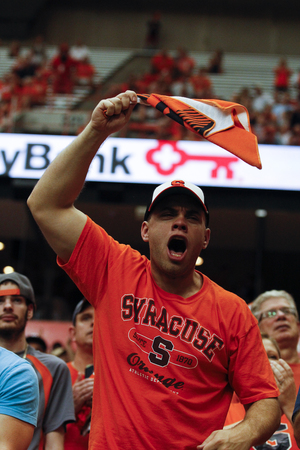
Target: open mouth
[(177, 247)]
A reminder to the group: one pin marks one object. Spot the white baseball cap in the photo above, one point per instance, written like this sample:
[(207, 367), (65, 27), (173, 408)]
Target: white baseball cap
[(180, 187)]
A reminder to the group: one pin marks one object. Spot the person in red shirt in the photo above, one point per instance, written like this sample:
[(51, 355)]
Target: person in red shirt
[(282, 76), (170, 345), (202, 84), (184, 63), (277, 315), (81, 369), (162, 61), (85, 73), (283, 438), (64, 69)]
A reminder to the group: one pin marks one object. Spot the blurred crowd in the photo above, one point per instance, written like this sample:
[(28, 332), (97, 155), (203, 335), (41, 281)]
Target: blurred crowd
[(34, 76), (274, 115)]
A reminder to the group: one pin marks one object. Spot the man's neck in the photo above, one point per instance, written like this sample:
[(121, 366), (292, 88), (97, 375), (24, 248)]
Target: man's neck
[(14, 344), (290, 355), (82, 359), (183, 286)]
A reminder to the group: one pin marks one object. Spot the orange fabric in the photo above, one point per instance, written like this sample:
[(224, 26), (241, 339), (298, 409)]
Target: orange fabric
[(5, 292), (47, 383), (233, 136), (162, 363), (283, 438), (45, 374)]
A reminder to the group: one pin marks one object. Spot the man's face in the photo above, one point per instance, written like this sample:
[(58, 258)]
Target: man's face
[(176, 233), (284, 326), (83, 329), (14, 312)]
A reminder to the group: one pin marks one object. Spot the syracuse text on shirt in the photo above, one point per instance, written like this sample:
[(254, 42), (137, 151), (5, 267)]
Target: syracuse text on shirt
[(160, 350)]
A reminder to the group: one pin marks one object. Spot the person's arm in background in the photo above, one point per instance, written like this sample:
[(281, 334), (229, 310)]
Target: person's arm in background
[(261, 421), (51, 201), (284, 378), (82, 392), (55, 439), (14, 433)]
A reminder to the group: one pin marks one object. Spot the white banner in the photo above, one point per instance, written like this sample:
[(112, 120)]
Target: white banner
[(152, 162)]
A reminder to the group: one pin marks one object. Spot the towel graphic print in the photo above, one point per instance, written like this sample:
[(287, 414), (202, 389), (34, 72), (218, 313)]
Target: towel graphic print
[(223, 123)]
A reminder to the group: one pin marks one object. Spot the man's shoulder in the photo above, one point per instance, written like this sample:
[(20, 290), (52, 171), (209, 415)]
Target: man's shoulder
[(51, 362), (10, 361), (7, 357), (226, 301), (220, 293)]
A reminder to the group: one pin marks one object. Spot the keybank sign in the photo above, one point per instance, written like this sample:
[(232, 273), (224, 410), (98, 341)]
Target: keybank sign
[(151, 161)]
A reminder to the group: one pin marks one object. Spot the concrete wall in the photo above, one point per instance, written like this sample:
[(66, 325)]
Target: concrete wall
[(195, 32)]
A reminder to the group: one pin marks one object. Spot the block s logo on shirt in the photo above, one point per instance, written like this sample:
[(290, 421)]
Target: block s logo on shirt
[(161, 350)]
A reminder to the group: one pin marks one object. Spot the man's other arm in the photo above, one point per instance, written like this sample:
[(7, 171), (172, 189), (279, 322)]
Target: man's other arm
[(14, 433), (261, 421), (52, 200)]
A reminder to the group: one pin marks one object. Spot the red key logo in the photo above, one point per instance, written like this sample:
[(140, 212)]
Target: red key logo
[(181, 157)]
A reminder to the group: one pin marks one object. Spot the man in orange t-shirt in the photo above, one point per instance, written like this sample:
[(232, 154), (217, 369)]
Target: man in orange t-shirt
[(81, 369), (170, 345)]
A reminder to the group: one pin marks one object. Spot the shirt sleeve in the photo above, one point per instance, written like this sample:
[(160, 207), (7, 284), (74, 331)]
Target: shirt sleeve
[(96, 249), (250, 373), (19, 393)]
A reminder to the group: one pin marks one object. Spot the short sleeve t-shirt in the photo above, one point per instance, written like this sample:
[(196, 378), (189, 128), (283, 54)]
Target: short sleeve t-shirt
[(19, 395), (165, 366)]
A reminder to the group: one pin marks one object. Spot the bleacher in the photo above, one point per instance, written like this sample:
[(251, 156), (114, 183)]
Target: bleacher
[(105, 61), (245, 70), (240, 71), (55, 115)]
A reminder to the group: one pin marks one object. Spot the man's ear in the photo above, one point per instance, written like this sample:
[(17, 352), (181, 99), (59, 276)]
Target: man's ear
[(145, 231), (72, 333), (30, 311), (207, 238)]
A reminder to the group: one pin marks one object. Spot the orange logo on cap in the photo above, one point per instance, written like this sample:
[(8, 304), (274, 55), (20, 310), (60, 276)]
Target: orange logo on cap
[(178, 183)]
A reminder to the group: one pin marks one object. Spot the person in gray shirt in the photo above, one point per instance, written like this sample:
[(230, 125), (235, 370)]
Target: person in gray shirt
[(56, 408)]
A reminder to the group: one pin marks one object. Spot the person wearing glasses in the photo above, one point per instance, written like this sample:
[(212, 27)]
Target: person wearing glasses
[(283, 438), (277, 316)]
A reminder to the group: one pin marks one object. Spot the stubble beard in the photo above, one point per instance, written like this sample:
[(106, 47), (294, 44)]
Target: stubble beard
[(12, 332)]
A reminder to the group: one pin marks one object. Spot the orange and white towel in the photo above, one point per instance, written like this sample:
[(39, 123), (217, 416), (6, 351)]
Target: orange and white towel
[(224, 123)]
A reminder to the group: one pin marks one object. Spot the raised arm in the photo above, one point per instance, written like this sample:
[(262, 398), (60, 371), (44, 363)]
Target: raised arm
[(52, 200)]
